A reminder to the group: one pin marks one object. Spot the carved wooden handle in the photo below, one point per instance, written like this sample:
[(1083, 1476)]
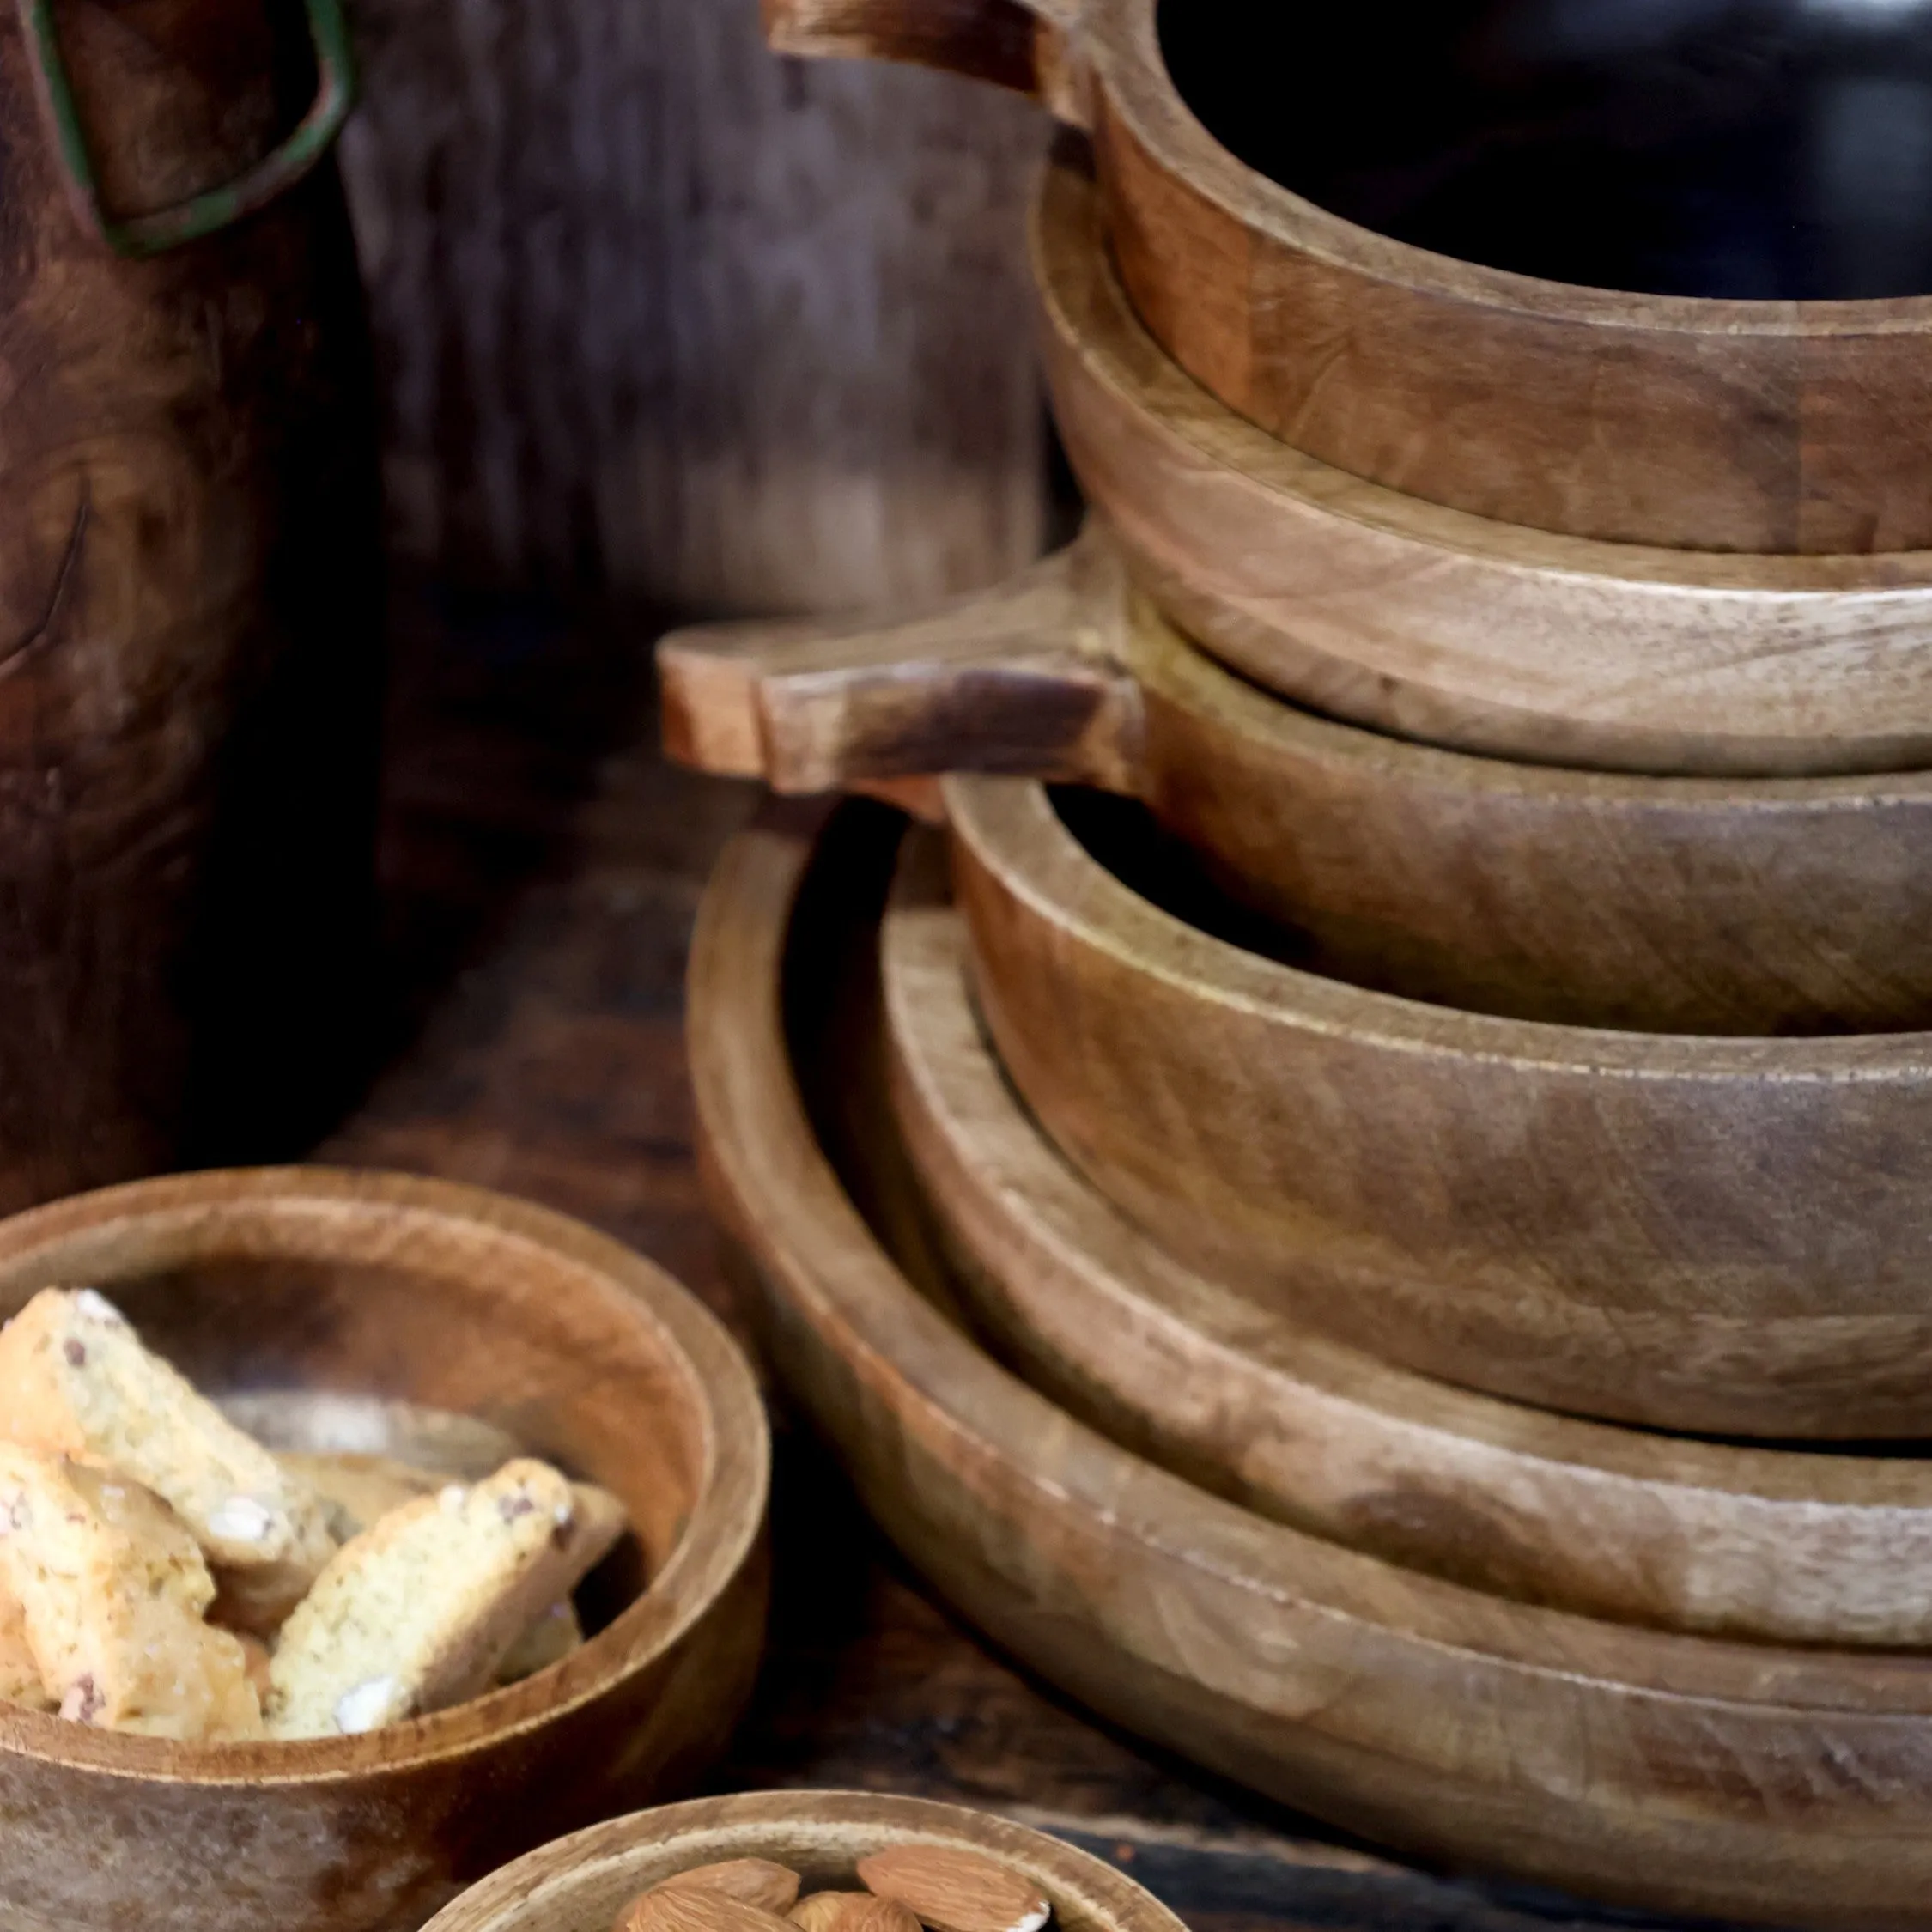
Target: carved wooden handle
[(1032, 47), (1025, 680)]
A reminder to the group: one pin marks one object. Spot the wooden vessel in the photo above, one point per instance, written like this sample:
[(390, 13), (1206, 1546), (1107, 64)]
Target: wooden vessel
[(1686, 1534), (191, 609), (1710, 423), (378, 1286), (1696, 1234), (1369, 606), (1711, 906), (1680, 1773), (583, 1880)]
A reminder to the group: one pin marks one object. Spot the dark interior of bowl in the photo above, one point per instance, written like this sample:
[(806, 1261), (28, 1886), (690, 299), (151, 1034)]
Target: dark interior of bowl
[(1772, 149), (555, 1365)]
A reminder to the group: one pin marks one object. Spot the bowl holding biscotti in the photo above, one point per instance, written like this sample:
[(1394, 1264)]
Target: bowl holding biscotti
[(822, 1860), (356, 1532)]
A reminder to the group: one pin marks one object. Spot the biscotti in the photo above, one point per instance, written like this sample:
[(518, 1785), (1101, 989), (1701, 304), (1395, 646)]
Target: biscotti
[(111, 1588), (419, 1612), (76, 1381), (358, 1491), (19, 1675)]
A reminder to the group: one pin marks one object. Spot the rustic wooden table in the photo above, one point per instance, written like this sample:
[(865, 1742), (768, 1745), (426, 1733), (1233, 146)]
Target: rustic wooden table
[(542, 869)]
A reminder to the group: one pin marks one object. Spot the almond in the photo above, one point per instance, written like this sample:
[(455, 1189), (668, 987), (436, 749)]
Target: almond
[(758, 1882), (852, 1911), (683, 1907), (956, 1891)]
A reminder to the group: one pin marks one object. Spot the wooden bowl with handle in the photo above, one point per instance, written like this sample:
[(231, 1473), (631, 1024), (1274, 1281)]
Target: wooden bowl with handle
[(1722, 1236), (1770, 1544), (578, 1884), (1730, 400), (1366, 604), (1680, 1773), (1690, 905), (354, 1292)]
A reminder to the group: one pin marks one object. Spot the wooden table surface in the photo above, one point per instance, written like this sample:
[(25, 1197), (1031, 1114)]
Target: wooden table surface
[(541, 867)]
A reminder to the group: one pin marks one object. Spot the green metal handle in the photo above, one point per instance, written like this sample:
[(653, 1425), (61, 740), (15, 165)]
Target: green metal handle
[(202, 214)]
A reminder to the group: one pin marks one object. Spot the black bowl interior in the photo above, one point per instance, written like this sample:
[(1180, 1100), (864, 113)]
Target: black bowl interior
[(1755, 149)]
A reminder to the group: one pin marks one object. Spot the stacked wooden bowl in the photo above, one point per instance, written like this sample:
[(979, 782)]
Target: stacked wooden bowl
[(1443, 1087)]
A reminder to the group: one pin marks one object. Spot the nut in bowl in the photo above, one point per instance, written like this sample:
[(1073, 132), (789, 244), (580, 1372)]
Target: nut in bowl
[(445, 1434), (816, 1861)]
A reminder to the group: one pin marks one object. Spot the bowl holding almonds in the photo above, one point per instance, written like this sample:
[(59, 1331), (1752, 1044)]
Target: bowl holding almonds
[(356, 1532), (808, 1862)]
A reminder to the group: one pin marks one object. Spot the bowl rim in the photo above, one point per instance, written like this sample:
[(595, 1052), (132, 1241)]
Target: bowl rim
[(551, 1872), (719, 1537)]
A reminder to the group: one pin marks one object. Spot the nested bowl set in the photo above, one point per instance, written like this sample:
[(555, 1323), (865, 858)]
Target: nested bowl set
[(1365, 1205)]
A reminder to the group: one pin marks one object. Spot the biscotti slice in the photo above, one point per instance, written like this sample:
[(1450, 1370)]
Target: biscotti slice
[(111, 1588), (549, 1640), (358, 1491), (20, 1674), (75, 1379), (419, 1612)]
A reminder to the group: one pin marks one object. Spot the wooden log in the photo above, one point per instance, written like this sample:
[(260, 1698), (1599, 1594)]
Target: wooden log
[(1699, 423), (1682, 1774)]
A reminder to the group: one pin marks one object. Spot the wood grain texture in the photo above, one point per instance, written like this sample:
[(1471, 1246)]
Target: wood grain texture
[(1680, 1773), (1770, 1544), (660, 312), (1756, 907), (370, 1284), (1697, 1234), (1644, 419), (190, 637), (583, 1881), (1380, 609)]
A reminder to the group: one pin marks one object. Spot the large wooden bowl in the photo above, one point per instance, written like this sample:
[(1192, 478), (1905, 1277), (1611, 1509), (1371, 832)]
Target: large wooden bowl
[(1700, 424), (1681, 1773), (1367, 604), (578, 1884), (1697, 1234), (1690, 905), (308, 1280), (1677, 1532)]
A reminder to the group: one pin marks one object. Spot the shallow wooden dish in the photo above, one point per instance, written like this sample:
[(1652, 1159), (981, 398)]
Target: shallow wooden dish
[(1681, 1773), (1683, 1533), (1700, 424), (1376, 607), (1689, 905), (373, 1285), (578, 1884), (1726, 1236)]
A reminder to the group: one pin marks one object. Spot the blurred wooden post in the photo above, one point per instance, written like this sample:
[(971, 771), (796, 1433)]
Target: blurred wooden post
[(661, 311)]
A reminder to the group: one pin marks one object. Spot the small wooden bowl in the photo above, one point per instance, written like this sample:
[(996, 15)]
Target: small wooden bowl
[(578, 1884), (1721, 1236), (1370, 605), (380, 1285), (1680, 1773), (1695, 424), (1691, 905), (1686, 1534)]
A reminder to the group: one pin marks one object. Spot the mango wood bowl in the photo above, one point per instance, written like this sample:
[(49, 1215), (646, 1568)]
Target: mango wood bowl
[(1375, 607), (1722, 1236), (1677, 1532), (578, 1884), (375, 1289), (1680, 1773), (1693, 905), (1698, 422)]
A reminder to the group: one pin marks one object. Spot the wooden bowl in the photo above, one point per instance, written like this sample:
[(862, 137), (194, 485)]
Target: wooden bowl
[(1680, 1773), (1690, 905), (1696, 1234), (1710, 424), (578, 1884), (376, 1286), (1680, 1533), (1370, 605)]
